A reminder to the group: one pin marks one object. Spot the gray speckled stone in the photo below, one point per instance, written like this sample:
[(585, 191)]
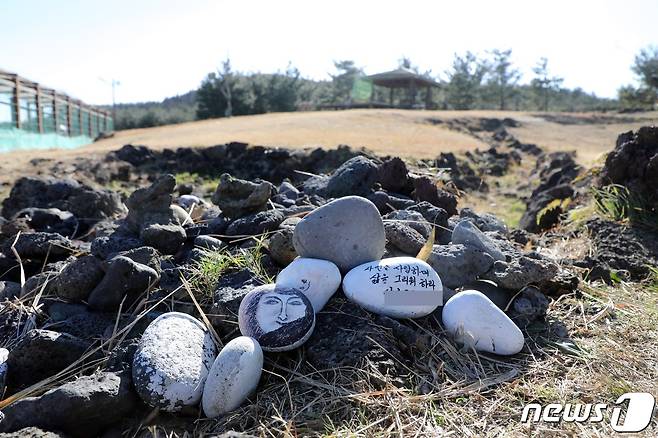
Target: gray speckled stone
[(458, 265), (279, 318), (347, 231), (468, 234), (172, 361)]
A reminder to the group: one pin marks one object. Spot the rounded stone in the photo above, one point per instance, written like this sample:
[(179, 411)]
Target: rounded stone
[(476, 321), (172, 361), (279, 318), (346, 231), (317, 279), (233, 377), (399, 287)]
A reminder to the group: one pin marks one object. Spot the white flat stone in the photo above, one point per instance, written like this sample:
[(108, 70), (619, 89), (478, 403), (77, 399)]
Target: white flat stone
[(172, 361), (4, 355), (476, 321), (399, 287), (315, 278), (233, 377)]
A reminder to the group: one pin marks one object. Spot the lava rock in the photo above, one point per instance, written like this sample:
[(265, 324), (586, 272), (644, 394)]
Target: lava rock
[(40, 245), (466, 233), (229, 292), (257, 223), (426, 190), (521, 272), (536, 216), (81, 408), (413, 219), (356, 176), (317, 279), (499, 296), (279, 318), (49, 220), (475, 321), (484, 222), (399, 287), (123, 278), (233, 376), (347, 231), (529, 305), (458, 265), (172, 362), (105, 247), (79, 278), (208, 243), (403, 237), (65, 194), (152, 205), (41, 354), (394, 176), (9, 290), (238, 197), (168, 239), (281, 247)]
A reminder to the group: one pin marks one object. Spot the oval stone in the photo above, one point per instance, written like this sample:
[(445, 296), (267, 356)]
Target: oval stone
[(172, 361), (399, 287), (233, 377), (279, 318), (317, 279), (346, 231), (475, 320)]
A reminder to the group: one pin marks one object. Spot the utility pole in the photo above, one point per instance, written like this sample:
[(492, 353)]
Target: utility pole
[(114, 83)]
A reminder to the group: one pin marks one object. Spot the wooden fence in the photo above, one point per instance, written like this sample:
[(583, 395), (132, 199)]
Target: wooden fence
[(28, 106)]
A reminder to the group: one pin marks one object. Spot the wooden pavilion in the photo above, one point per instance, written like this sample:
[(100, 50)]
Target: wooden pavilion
[(406, 79)]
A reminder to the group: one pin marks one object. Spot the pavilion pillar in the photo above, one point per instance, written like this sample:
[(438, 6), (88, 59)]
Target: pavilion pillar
[(428, 98), (390, 96), (412, 89)]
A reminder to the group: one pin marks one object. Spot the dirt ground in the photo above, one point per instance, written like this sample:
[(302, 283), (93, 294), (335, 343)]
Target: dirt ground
[(395, 132)]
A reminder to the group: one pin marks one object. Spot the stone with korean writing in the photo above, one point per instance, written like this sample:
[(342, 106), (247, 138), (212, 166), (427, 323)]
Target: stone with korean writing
[(233, 377), (172, 361), (279, 318), (474, 320), (317, 279), (399, 287)]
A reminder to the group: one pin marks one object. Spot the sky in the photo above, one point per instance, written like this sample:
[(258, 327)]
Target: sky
[(163, 48)]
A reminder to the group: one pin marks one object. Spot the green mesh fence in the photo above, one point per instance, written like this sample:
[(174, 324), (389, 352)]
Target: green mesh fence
[(34, 117)]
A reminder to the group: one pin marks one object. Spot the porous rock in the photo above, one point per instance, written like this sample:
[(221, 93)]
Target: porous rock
[(458, 265), (238, 197), (123, 278), (466, 233)]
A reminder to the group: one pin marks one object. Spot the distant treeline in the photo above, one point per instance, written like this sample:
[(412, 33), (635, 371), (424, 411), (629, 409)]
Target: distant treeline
[(488, 82)]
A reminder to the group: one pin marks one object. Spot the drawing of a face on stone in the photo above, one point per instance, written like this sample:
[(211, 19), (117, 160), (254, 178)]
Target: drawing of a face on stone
[(304, 284), (276, 309), (279, 318)]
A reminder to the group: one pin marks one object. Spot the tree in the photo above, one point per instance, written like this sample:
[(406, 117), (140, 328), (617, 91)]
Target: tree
[(543, 84), (224, 94), (464, 81), (645, 67), (343, 80), (502, 76), (631, 97)]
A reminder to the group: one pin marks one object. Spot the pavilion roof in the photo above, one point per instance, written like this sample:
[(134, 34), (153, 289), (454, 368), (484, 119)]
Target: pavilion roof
[(402, 78)]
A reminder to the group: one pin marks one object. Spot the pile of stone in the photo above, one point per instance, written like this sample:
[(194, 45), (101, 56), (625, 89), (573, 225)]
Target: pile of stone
[(353, 234)]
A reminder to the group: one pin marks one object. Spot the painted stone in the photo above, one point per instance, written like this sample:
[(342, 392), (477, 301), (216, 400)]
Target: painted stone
[(279, 318), (4, 355), (233, 377), (172, 361), (399, 287), (317, 279), (476, 321), (346, 231)]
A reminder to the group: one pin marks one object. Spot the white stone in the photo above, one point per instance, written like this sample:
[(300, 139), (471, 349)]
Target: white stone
[(399, 287), (233, 377), (476, 321), (187, 201), (172, 361), (315, 278), (4, 355)]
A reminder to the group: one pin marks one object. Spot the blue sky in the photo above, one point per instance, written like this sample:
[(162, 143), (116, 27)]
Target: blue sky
[(163, 48)]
